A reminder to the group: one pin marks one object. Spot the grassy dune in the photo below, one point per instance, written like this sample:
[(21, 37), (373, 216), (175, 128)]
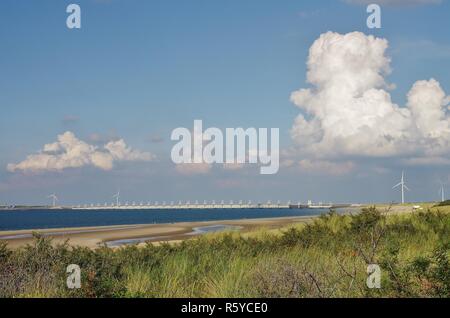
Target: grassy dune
[(326, 258)]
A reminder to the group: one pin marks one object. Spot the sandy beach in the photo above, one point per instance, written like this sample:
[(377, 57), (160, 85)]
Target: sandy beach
[(94, 237)]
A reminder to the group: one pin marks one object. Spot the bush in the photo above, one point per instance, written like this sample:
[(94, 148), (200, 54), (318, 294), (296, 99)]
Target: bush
[(325, 258)]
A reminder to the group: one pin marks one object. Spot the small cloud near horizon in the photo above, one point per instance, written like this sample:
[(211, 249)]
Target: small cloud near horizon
[(189, 169), (156, 138), (70, 119)]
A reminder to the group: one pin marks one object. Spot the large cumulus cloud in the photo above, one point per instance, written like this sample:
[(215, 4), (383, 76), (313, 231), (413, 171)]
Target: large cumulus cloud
[(348, 111), (70, 152)]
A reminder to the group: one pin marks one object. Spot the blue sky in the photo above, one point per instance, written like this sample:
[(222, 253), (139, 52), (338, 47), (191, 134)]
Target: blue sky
[(138, 69)]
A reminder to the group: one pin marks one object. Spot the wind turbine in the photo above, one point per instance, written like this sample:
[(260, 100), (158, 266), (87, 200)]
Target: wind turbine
[(403, 187), (54, 197), (117, 196), (441, 190)]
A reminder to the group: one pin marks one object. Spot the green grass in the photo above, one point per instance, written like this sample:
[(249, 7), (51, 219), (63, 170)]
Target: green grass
[(325, 258)]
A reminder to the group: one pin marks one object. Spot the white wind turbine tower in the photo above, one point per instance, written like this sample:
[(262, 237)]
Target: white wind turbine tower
[(54, 197), (441, 191), (403, 187), (117, 196)]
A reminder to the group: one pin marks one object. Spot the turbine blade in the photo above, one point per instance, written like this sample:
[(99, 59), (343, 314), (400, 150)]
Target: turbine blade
[(406, 187), (396, 185)]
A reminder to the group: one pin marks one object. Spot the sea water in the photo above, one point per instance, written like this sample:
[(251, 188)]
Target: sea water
[(47, 219)]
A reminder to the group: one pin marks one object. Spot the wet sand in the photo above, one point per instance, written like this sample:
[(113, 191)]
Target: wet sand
[(94, 237)]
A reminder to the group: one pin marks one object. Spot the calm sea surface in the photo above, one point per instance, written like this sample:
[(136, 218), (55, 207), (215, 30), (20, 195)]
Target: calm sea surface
[(44, 219)]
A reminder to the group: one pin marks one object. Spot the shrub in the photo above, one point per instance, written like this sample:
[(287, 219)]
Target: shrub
[(325, 258)]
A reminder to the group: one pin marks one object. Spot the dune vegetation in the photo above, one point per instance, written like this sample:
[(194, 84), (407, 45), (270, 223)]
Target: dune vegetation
[(325, 258)]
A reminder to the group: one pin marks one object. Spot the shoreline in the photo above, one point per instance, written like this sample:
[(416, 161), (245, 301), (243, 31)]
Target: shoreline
[(95, 236)]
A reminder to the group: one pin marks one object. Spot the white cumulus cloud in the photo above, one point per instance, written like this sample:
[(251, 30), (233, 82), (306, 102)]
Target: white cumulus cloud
[(70, 152), (348, 111)]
